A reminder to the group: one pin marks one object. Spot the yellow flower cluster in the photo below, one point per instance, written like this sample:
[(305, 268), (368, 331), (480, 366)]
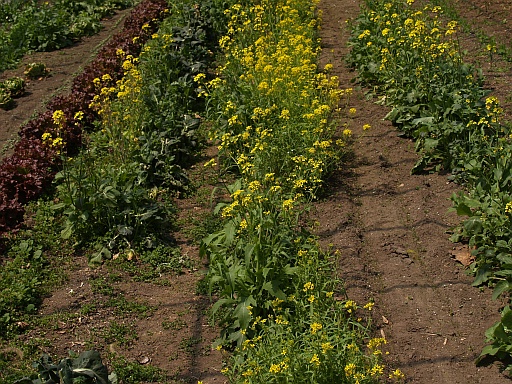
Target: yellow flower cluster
[(280, 70), (280, 367), (59, 118), (406, 29), (54, 140)]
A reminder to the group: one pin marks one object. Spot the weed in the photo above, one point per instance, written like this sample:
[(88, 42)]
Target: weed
[(101, 286), (189, 345), (174, 325), (123, 307), (130, 372), (119, 333)]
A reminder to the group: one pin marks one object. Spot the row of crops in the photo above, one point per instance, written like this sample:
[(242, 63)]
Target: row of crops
[(103, 164), (410, 55)]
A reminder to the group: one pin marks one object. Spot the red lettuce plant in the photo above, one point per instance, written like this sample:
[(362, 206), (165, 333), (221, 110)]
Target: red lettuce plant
[(25, 175)]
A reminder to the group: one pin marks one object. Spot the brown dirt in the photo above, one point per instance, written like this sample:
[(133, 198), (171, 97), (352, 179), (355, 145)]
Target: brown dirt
[(392, 230), (390, 227)]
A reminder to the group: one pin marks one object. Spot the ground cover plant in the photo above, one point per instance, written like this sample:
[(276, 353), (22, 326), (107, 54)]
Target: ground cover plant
[(412, 58), (43, 26)]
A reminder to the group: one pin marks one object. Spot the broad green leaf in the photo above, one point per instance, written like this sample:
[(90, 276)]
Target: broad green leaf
[(463, 210), (481, 277), (488, 350), (473, 225), (502, 286), (506, 318), (67, 231), (423, 120)]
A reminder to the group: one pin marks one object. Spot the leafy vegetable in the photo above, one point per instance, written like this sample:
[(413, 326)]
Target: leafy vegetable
[(84, 369)]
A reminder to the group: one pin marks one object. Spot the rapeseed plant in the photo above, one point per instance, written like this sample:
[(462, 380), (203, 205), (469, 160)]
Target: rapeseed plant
[(272, 122)]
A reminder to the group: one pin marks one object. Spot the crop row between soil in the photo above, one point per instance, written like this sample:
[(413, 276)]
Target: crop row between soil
[(414, 62), (110, 158), (282, 314)]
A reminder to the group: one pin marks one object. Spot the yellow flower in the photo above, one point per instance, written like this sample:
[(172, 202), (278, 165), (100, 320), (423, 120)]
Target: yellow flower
[(287, 204), (199, 77), (285, 114), (397, 375), (369, 306), (58, 117), (350, 369), (309, 286), (350, 306), (366, 127), (377, 369), (269, 176), (210, 163), (276, 368), (376, 342), (254, 185), (79, 115), (352, 111), (315, 327), (315, 360), (326, 347)]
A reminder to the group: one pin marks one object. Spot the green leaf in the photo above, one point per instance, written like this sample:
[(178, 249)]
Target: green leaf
[(392, 115), (463, 210), (222, 302), (506, 319), (56, 207), (490, 350), (249, 249), (481, 277), (423, 120), (502, 286), (67, 231), (242, 313), (473, 225), (97, 258)]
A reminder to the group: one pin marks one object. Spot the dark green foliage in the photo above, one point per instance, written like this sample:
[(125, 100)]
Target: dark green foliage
[(86, 368)]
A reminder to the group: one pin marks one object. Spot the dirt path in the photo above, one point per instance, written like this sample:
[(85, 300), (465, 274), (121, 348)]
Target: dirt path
[(391, 229), (64, 65)]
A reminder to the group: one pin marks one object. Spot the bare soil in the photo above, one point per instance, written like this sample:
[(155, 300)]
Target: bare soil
[(391, 228)]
